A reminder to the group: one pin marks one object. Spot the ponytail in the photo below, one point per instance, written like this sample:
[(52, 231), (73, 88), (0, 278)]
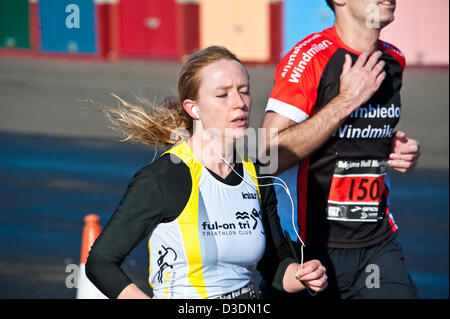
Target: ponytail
[(149, 123), (166, 123)]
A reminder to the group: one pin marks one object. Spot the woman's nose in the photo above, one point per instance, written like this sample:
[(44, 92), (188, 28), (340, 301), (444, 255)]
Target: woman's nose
[(238, 100)]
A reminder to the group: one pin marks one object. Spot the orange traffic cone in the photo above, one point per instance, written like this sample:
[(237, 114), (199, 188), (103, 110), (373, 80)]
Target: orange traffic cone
[(91, 230)]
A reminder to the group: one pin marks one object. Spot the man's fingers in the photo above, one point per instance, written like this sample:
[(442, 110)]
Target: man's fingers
[(347, 64), (362, 59), (373, 60), (401, 165), (411, 147), (379, 67), (380, 79), (404, 157), (400, 135), (377, 71), (414, 147)]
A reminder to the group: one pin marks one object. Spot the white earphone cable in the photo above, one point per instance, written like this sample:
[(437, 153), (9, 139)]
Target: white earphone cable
[(286, 188)]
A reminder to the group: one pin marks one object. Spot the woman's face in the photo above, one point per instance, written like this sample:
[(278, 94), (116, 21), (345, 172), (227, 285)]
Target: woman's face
[(224, 100)]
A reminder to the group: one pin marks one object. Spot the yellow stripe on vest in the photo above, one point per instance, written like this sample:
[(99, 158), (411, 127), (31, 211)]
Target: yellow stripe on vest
[(149, 261), (188, 220)]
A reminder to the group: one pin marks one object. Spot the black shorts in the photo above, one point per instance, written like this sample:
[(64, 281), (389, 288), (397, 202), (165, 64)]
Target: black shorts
[(375, 272)]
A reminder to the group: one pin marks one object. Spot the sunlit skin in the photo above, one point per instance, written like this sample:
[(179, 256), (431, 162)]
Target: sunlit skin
[(358, 82), (360, 9), (351, 25), (223, 104), (224, 100), (354, 21)]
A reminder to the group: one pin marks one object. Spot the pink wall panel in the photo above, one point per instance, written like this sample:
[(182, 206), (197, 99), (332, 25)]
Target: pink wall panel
[(433, 32), (421, 31)]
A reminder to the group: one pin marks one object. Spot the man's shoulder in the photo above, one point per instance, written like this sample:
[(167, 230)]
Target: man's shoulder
[(325, 37), (311, 52), (394, 51)]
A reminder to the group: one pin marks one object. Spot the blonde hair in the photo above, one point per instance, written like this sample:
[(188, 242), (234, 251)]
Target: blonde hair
[(166, 123)]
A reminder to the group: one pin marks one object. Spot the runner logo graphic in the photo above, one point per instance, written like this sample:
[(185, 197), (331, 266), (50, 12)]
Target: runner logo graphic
[(255, 216), (243, 215), (168, 255)]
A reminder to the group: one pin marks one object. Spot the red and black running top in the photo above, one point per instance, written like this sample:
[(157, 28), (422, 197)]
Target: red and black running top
[(342, 188)]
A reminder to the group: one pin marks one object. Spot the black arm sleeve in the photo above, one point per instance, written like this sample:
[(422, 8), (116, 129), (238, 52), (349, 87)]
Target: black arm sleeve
[(139, 211), (156, 194), (273, 269)]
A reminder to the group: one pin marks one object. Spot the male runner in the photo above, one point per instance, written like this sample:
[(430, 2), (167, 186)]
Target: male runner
[(335, 103)]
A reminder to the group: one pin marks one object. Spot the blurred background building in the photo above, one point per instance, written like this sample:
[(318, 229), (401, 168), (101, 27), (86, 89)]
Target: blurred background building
[(258, 31)]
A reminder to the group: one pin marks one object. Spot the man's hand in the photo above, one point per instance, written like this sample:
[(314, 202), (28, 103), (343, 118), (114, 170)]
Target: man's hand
[(405, 153), (360, 81), (297, 141)]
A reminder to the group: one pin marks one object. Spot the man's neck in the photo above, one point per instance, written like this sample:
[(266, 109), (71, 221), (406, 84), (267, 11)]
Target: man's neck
[(358, 37)]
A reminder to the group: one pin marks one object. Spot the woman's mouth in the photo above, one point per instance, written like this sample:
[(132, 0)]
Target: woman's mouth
[(240, 121)]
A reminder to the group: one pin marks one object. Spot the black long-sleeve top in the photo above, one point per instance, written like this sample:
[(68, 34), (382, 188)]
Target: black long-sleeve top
[(157, 194)]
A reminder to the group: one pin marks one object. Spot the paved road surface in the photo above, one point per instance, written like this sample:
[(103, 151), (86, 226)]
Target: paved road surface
[(59, 161)]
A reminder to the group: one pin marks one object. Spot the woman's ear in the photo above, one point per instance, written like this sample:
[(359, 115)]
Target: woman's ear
[(191, 108)]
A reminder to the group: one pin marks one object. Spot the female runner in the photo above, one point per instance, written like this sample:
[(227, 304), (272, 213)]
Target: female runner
[(209, 221)]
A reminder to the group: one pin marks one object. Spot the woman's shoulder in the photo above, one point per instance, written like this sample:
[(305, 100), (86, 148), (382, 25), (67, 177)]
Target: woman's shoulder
[(166, 174), (162, 167)]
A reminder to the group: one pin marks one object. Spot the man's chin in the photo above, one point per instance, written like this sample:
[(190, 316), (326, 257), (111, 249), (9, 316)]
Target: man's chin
[(387, 19), (385, 24)]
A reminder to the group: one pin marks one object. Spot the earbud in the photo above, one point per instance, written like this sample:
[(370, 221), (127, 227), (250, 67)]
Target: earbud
[(195, 111)]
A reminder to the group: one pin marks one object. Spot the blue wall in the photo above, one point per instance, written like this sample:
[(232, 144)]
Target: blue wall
[(57, 37), (303, 17)]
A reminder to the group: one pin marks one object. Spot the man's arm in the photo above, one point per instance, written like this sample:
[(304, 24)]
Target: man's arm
[(297, 141)]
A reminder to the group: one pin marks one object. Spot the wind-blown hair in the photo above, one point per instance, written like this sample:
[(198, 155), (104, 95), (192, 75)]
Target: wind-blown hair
[(166, 123)]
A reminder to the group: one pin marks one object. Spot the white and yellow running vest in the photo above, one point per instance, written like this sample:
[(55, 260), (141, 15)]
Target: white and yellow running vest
[(213, 246)]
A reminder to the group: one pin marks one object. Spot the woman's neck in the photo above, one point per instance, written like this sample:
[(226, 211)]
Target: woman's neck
[(213, 153)]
